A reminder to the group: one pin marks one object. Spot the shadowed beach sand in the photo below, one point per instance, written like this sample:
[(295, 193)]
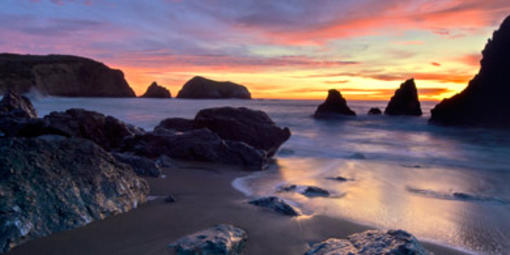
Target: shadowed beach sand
[(205, 198)]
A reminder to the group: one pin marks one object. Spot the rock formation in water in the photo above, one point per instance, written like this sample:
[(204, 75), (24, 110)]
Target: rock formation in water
[(52, 183), (334, 106), (14, 105), (276, 204), (60, 75), (157, 91), (221, 239), (484, 102), (405, 101), (374, 111), (371, 242), (200, 87)]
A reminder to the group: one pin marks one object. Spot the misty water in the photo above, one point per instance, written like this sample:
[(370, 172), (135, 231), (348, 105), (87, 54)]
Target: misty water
[(446, 185)]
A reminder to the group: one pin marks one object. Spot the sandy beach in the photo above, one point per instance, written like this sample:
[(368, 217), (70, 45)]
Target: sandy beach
[(205, 197)]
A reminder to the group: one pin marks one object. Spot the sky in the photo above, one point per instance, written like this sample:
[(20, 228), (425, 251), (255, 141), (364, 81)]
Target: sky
[(291, 49)]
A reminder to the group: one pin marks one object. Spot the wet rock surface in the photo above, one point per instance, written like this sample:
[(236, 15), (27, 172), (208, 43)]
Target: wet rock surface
[(219, 240), (51, 183), (16, 106), (200, 87), (391, 242), (276, 204), (334, 106), (405, 101), (157, 91), (141, 165), (484, 102)]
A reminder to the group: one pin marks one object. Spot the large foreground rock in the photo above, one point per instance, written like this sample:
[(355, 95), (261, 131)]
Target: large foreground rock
[(252, 127), (157, 91), (405, 101), (60, 75), (219, 240), (334, 106), (141, 165), (16, 106), (392, 242), (50, 184), (200, 87), (485, 100)]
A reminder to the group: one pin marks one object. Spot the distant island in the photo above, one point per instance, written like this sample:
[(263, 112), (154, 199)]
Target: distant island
[(200, 87)]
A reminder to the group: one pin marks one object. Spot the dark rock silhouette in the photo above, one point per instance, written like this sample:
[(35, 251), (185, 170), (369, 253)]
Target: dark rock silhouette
[(200, 87), (334, 106), (157, 91), (177, 124), (276, 204), (51, 183), (374, 111), (141, 165), (61, 75), (405, 101), (484, 102), (252, 127), (14, 105)]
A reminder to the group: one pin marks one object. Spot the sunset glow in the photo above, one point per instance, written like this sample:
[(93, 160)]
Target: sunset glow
[(278, 49)]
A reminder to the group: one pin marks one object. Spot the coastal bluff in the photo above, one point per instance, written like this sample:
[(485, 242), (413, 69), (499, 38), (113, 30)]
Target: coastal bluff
[(202, 88), (61, 75)]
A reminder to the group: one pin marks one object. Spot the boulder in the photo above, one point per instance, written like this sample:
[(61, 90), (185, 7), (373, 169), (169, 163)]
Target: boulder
[(141, 165), (392, 242), (312, 191), (51, 183), (196, 145), (157, 91), (106, 131), (276, 204), (374, 111), (200, 87), (252, 127), (484, 102), (60, 75), (405, 101), (219, 240), (334, 106), (177, 124), (14, 105)]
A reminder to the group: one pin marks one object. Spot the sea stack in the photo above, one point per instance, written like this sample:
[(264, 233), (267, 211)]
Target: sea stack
[(157, 91), (484, 102), (202, 88), (60, 75), (334, 106), (405, 101)]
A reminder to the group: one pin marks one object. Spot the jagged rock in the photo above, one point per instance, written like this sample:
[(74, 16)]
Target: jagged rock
[(60, 75), (312, 191), (219, 240), (16, 106), (392, 242), (484, 102), (141, 165), (106, 131), (51, 183), (157, 91), (334, 106), (177, 124), (374, 111), (276, 204), (196, 145), (252, 127), (405, 101), (199, 87)]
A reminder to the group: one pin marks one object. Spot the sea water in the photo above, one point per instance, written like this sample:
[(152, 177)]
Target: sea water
[(443, 184)]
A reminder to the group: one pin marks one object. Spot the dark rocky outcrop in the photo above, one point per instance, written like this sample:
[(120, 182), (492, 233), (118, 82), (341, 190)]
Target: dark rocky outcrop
[(374, 111), (16, 106), (405, 101), (252, 127), (392, 242), (484, 102), (176, 124), (60, 75), (334, 106), (196, 145), (141, 165), (219, 240), (309, 191), (276, 204), (51, 183), (200, 87), (157, 91)]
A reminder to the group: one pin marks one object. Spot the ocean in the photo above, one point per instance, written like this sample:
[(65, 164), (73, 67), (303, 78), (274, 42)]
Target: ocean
[(443, 184)]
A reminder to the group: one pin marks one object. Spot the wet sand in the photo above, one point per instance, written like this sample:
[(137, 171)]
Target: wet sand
[(205, 198)]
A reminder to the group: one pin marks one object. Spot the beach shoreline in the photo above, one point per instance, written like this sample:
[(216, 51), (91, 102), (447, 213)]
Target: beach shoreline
[(204, 197)]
